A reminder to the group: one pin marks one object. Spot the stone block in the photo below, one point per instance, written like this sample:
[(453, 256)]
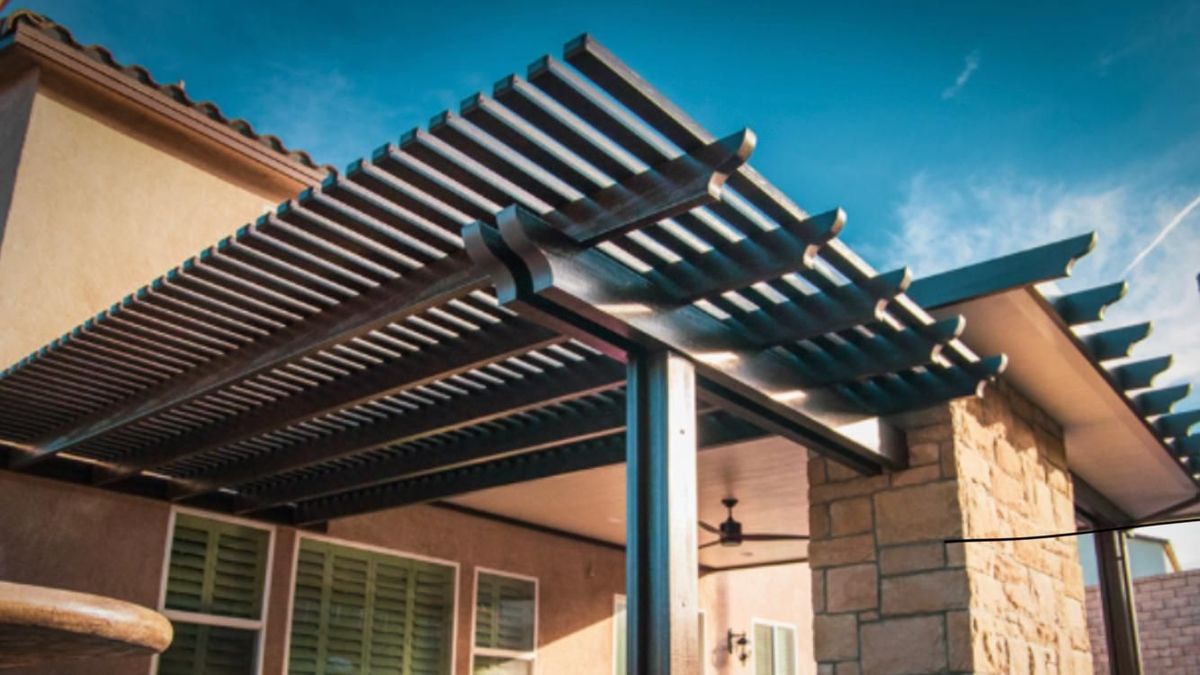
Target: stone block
[(857, 487), (911, 558), (818, 521), (917, 475), (904, 646), (927, 512), (924, 592), (850, 516), (959, 647), (835, 637), (838, 473), (848, 668), (921, 454), (851, 588), (841, 551), (818, 591)]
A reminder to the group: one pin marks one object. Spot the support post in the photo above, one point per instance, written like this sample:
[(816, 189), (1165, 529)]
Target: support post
[(660, 555), (1116, 598)]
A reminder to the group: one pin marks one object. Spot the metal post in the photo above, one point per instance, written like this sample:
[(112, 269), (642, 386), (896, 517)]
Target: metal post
[(660, 554), (1116, 596)]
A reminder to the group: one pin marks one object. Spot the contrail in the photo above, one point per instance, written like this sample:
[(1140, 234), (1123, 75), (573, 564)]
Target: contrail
[(1162, 234)]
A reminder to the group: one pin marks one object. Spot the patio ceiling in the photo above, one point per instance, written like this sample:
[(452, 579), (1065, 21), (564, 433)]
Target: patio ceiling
[(1123, 435), (348, 353)]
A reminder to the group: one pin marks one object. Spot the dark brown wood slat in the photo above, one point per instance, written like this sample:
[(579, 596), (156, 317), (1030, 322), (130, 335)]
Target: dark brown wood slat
[(526, 102), (407, 462), (669, 189), (491, 117), (492, 153), (475, 350), (581, 379), (551, 77), (714, 430), (428, 287)]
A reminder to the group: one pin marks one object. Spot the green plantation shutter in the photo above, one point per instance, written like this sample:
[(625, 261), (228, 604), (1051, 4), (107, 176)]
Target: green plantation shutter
[(208, 650), (619, 626), (359, 611), (216, 568), (504, 613), (764, 650)]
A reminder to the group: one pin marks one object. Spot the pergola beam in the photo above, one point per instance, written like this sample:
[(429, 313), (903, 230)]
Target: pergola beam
[(534, 391), (445, 454), (1115, 343), (426, 287), (1024, 268), (489, 344), (714, 430)]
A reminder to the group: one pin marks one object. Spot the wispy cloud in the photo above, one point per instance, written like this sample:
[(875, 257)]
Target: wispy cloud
[(970, 65), (1162, 234), (949, 222)]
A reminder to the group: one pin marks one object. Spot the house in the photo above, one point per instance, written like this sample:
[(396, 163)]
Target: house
[(440, 412), (1148, 556)]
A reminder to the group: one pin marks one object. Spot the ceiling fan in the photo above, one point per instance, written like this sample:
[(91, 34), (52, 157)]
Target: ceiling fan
[(730, 533)]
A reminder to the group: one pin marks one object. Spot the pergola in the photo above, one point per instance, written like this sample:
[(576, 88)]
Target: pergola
[(566, 274)]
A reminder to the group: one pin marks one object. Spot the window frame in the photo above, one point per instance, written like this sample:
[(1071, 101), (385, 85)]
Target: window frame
[(398, 553), (530, 656), (620, 601), (259, 625), (772, 624)]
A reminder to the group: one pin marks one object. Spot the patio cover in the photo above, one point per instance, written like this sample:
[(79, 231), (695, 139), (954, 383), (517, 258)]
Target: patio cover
[(451, 314)]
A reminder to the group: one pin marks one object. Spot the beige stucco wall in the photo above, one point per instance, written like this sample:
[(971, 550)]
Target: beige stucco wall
[(67, 251), (82, 539), (100, 542), (735, 599)]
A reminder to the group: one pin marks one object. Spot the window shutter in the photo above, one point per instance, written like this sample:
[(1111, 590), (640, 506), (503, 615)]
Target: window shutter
[(361, 611), (504, 613), (764, 650), (216, 568), (208, 650)]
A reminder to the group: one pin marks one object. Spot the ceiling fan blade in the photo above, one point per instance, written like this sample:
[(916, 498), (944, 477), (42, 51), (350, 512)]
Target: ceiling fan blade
[(774, 537), (711, 543), (709, 528)]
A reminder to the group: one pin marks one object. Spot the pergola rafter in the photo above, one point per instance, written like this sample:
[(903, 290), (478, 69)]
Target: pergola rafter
[(351, 326)]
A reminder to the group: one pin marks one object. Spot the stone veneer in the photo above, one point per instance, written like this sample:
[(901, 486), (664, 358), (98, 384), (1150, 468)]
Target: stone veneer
[(891, 597)]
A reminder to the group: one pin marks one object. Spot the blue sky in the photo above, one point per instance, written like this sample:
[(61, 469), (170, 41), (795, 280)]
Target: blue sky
[(949, 132)]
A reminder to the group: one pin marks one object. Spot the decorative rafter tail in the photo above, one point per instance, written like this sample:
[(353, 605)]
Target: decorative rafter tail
[(1088, 305)]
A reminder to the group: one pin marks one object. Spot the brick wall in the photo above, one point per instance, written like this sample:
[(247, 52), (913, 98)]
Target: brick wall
[(890, 597), (1168, 611)]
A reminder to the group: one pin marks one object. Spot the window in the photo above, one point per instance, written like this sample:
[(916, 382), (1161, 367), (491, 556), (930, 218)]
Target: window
[(365, 611), (505, 624), (774, 649), (213, 595), (620, 635)]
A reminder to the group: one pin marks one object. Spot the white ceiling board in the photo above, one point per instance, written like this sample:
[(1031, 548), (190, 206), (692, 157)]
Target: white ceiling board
[(1108, 444), (768, 476)]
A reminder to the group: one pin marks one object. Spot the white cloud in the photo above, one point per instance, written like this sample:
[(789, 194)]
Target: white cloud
[(949, 222), (946, 223), (970, 65)]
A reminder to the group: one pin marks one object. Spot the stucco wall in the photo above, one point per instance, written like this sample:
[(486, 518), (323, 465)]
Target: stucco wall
[(735, 599), (100, 208), (82, 539)]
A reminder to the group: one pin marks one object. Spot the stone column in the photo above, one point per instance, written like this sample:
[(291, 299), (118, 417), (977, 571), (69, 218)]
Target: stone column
[(891, 598)]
